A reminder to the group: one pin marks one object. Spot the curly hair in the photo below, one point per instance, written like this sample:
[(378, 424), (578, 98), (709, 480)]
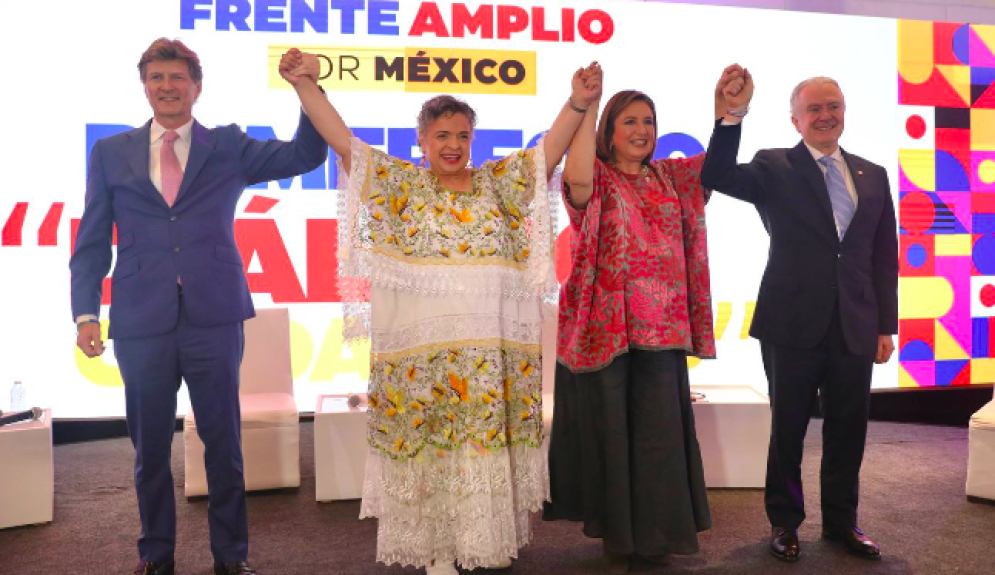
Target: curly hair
[(444, 105)]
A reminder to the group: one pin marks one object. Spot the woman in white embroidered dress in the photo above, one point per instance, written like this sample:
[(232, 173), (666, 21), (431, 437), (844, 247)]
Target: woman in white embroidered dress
[(456, 261)]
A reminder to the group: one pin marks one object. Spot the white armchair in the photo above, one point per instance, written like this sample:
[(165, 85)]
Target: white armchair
[(270, 422), (981, 454)]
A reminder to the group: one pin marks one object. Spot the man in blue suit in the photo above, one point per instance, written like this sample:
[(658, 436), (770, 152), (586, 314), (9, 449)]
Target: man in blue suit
[(179, 290)]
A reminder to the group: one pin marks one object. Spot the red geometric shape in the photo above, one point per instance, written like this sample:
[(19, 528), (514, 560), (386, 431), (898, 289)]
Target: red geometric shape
[(48, 231), (916, 329), (963, 376), (943, 43), (957, 143), (986, 100), (954, 141), (983, 203), (987, 295), (936, 91), (11, 234), (907, 241), (260, 205), (916, 212), (915, 126)]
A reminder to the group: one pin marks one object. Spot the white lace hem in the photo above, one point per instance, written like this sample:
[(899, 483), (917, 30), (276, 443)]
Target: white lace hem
[(463, 505)]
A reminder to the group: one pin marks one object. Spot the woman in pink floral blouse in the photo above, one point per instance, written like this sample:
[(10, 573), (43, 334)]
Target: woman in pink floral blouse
[(623, 457)]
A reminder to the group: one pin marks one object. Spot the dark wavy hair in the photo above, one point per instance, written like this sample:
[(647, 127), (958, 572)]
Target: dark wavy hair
[(606, 126), (165, 49), (444, 105)]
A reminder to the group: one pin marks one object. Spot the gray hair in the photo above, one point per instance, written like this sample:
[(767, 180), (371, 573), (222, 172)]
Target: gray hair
[(444, 105), (809, 82)]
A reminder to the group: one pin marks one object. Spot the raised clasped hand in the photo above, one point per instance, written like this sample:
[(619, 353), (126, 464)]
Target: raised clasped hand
[(296, 65), (735, 88), (586, 84)]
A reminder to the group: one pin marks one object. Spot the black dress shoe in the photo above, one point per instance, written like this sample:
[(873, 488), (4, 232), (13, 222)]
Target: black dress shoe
[(855, 542), (155, 568), (240, 568), (784, 544)]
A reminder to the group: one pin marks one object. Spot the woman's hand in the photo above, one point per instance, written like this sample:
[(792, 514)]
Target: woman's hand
[(586, 84), (296, 65)]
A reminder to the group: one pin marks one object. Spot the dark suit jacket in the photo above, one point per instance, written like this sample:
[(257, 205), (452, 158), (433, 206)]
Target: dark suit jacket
[(809, 269), (194, 239)]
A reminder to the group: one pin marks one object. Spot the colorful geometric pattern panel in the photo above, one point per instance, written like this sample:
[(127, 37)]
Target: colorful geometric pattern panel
[(946, 89)]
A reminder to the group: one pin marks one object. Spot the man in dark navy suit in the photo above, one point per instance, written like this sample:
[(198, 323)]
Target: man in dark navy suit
[(828, 302), (179, 289)]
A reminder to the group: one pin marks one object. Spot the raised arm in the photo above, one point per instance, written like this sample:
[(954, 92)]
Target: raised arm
[(585, 94), (301, 71), (578, 173), (720, 171)]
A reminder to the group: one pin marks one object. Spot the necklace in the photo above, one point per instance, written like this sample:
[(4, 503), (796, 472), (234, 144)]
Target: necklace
[(643, 172)]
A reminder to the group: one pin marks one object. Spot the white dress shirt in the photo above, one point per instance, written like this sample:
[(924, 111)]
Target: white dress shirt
[(840, 163), (181, 146)]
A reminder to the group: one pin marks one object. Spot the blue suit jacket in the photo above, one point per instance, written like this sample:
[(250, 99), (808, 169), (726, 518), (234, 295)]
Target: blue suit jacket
[(194, 239)]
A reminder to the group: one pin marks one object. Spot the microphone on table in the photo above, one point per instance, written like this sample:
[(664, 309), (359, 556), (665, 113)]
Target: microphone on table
[(32, 414)]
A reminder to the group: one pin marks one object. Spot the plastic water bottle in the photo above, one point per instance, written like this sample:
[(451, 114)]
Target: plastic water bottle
[(18, 397)]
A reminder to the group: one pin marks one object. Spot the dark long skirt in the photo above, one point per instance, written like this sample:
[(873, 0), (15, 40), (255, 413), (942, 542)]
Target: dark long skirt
[(624, 458)]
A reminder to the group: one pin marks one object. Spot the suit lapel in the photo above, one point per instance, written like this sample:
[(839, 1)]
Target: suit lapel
[(802, 161), (137, 153), (201, 145)]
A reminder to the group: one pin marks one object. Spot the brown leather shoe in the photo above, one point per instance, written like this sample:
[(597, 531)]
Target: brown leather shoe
[(855, 542), (155, 568), (240, 568), (784, 544)]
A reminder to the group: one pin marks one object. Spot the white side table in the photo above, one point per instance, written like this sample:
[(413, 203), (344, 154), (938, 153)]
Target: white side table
[(27, 484), (339, 449), (733, 425)]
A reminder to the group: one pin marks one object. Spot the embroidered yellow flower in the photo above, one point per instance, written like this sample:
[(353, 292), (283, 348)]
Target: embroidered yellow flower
[(462, 217), (460, 384)]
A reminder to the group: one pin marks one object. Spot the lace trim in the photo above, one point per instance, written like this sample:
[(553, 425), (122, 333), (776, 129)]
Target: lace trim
[(466, 506), (354, 277), (449, 329), (359, 267)]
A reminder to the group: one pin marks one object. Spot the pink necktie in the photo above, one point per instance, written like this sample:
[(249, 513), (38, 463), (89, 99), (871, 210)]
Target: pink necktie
[(169, 165)]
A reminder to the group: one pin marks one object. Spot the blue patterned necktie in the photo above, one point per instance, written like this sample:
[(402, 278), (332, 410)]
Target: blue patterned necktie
[(839, 195)]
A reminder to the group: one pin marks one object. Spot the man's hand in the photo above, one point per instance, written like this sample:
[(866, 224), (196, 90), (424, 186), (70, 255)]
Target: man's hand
[(733, 91), (886, 346), (88, 339), (739, 92), (296, 65)]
